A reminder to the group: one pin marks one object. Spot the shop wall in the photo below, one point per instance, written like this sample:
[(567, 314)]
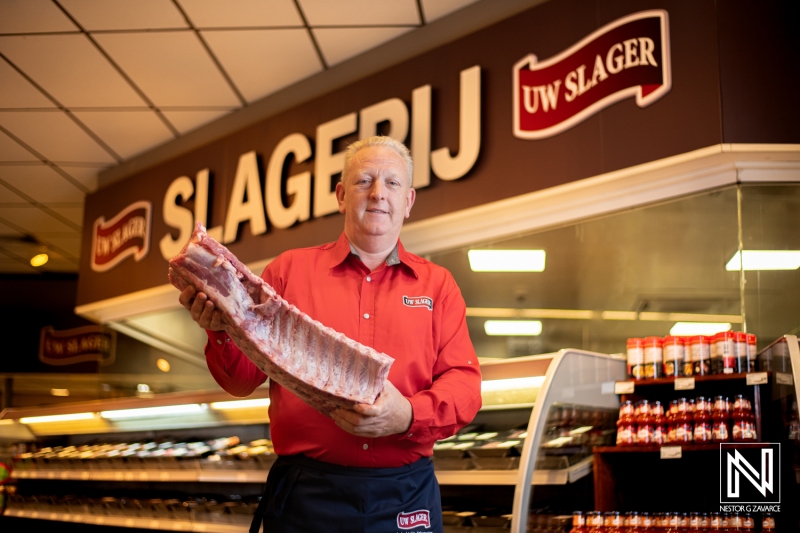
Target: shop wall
[(687, 118)]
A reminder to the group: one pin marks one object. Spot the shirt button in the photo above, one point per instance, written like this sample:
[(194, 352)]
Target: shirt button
[(365, 446), (219, 341), (369, 278), (366, 315), (410, 435)]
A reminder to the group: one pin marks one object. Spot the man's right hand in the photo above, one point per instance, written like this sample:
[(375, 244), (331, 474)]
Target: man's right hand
[(202, 309)]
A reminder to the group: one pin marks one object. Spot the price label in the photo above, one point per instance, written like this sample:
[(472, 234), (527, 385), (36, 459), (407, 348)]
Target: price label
[(623, 387), (782, 378), (670, 452), (165, 476), (684, 383), (241, 476), (757, 378)]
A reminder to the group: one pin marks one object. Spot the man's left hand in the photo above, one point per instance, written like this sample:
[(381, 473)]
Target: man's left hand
[(390, 414)]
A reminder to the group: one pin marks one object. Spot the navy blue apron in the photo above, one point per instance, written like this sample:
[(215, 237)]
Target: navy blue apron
[(307, 495)]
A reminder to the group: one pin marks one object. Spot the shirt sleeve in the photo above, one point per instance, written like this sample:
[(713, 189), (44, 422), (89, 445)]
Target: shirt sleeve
[(454, 398), (229, 366)]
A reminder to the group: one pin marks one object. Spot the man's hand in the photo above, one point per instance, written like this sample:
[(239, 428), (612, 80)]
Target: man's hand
[(391, 413), (202, 309)]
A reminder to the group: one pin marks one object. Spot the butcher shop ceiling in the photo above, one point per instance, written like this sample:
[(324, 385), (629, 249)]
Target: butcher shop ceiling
[(88, 86)]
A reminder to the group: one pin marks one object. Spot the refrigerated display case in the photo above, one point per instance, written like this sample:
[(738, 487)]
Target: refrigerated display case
[(531, 443)]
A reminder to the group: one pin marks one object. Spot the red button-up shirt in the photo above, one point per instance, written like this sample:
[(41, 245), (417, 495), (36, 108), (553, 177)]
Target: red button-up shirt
[(412, 310)]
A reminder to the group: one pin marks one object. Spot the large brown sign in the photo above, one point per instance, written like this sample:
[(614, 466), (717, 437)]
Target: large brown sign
[(268, 187), (79, 345)]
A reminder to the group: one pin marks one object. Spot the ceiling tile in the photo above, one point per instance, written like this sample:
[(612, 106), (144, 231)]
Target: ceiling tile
[(24, 16), (33, 220), (7, 230), (434, 9), (12, 266), (54, 135), (73, 214), (70, 68), (41, 183), (10, 150), (338, 44), (241, 13), (172, 68), (262, 61), (186, 121), (16, 91), (125, 14), (7, 196), (127, 132), (70, 245), (87, 175), (360, 12)]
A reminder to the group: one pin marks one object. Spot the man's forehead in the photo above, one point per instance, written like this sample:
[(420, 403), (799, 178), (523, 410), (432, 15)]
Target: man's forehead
[(385, 158)]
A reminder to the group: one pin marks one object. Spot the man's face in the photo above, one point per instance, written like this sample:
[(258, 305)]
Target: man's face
[(376, 195)]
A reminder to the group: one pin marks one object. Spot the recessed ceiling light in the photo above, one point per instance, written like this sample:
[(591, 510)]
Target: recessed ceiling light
[(39, 260), (765, 260), (163, 365), (506, 260), (59, 392), (698, 328), (513, 327)]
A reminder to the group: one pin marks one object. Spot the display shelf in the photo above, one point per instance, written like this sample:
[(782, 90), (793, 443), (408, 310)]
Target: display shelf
[(509, 477), (129, 522), (157, 476), (656, 448)]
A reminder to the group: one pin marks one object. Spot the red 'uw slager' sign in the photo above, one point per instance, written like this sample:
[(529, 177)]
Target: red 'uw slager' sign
[(71, 346), (626, 58), (126, 234)]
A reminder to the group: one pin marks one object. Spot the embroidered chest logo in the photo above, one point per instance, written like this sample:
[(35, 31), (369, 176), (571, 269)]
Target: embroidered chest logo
[(414, 519), (418, 301)]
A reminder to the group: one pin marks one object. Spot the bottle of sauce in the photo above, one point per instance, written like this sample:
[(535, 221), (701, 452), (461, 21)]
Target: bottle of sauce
[(674, 355), (705, 522), (702, 420), (720, 416), (613, 522), (715, 522), (724, 361), (660, 426), (672, 422), (684, 430), (647, 523), (742, 420), (740, 351), (688, 364), (748, 524), (594, 521), (578, 523), (634, 523), (735, 522), (626, 424), (752, 352), (673, 522), (767, 523), (653, 357), (635, 358), (701, 355), (644, 424), (694, 523)]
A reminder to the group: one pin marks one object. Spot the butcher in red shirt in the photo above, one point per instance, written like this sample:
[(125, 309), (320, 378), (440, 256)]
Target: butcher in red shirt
[(368, 468)]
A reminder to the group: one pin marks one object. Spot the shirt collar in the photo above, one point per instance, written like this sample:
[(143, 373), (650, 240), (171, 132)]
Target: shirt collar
[(342, 249)]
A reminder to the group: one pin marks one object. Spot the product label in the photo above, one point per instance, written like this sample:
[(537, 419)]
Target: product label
[(635, 356), (653, 355), (671, 452), (623, 387), (684, 383), (757, 378)]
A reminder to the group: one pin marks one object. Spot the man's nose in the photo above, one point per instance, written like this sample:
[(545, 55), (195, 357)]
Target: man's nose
[(378, 190)]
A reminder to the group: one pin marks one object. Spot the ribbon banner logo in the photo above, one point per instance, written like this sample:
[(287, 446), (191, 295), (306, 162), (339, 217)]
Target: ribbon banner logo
[(126, 234), (626, 58), (79, 345), (421, 517)]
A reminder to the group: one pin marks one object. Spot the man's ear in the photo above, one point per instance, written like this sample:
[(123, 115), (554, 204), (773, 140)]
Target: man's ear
[(410, 198), (340, 196)]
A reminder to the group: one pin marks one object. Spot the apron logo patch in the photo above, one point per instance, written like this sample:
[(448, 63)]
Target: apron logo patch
[(414, 519), (418, 301)]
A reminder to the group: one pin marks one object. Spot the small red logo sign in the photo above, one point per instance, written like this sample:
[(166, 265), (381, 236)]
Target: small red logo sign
[(414, 519), (626, 58), (126, 234)]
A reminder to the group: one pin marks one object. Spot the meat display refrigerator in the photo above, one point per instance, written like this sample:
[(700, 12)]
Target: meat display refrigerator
[(531, 443)]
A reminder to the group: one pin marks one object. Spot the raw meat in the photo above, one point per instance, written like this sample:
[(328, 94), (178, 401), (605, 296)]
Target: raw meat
[(323, 367)]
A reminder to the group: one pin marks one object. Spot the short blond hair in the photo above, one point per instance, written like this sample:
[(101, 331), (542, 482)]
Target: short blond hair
[(379, 140)]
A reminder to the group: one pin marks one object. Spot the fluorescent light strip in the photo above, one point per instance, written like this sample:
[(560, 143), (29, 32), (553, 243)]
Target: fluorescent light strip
[(699, 328), (240, 404), (513, 327), (506, 260), (495, 385), (56, 418), (580, 314), (145, 412), (764, 260)]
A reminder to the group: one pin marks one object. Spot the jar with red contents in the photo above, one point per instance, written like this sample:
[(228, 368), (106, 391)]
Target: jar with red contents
[(674, 355), (644, 423), (720, 416), (684, 421), (724, 359), (594, 522), (578, 523), (634, 523), (702, 420), (653, 357), (660, 425), (626, 424), (752, 351), (743, 422), (635, 358), (671, 417), (701, 355), (740, 350), (613, 522)]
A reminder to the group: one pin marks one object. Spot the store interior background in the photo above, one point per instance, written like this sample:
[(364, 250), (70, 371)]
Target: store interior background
[(60, 126)]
